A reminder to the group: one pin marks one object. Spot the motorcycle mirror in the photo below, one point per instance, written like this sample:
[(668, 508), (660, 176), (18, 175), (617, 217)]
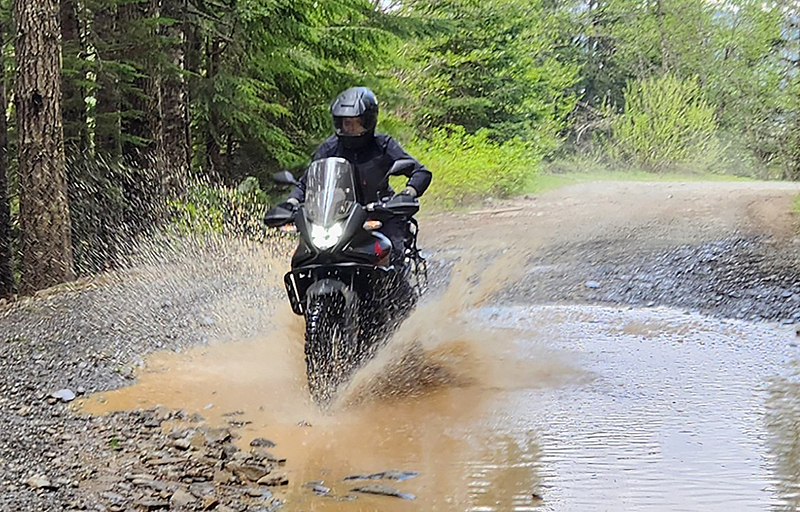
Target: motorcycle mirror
[(284, 178), (402, 165)]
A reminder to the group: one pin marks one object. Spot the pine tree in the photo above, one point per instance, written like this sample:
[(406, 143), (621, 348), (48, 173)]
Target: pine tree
[(44, 212), (6, 276)]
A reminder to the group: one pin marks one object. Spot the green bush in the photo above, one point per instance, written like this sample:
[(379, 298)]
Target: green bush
[(467, 167), (217, 209), (667, 125)]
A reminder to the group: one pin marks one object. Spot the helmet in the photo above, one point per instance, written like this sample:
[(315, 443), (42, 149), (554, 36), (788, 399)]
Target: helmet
[(355, 114)]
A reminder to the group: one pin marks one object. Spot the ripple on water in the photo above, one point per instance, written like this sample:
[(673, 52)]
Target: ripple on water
[(674, 419)]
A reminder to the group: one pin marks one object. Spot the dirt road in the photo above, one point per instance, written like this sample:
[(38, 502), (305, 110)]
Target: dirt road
[(730, 250)]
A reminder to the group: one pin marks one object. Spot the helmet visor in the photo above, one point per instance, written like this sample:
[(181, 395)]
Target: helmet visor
[(350, 126)]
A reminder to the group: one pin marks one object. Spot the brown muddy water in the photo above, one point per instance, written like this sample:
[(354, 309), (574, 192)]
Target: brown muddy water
[(517, 408)]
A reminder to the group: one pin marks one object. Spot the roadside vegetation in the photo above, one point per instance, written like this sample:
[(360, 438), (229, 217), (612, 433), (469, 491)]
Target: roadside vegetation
[(154, 114)]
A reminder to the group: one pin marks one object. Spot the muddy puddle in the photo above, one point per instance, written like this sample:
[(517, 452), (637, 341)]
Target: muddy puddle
[(529, 408)]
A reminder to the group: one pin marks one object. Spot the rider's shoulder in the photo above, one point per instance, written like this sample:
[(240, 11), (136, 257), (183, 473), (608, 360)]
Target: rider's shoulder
[(328, 146), (383, 139)]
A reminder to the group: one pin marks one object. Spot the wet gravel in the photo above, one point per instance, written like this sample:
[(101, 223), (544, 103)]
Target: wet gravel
[(92, 337), (752, 278)]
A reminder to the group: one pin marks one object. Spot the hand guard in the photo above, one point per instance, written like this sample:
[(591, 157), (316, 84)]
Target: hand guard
[(282, 214)]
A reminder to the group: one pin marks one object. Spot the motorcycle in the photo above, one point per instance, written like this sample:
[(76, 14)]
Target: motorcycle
[(344, 280)]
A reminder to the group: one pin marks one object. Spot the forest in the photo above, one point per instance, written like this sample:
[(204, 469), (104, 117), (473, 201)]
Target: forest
[(125, 117)]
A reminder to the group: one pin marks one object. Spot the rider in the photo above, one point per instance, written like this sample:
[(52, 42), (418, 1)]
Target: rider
[(355, 114)]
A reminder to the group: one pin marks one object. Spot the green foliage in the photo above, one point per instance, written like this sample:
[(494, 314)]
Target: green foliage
[(208, 209), (469, 166), (494, 67), (740, 51), (667, 123), (271, 69)]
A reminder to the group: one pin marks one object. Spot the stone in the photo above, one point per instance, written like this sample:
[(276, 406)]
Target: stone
[(196, 440), (273, 481), (261, 442), (113, 497), (152, 504), (182, 444), (65, 395), (39, 482), (181, 499), (389, 474), (164, 461), (201, 489), (250, 472), (222, 477), (318, 488), (265, 456), (140, 476), (240, 457), (384, 490), (216, 435), (161, 413), (210, 502)]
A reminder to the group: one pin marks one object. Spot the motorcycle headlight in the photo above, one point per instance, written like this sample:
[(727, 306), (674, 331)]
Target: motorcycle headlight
[(325, 238)]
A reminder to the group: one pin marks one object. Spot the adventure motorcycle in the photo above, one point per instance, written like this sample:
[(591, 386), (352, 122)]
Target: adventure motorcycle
[(345, 280)]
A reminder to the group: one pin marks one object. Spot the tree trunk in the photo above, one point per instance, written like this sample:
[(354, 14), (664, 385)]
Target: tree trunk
[(74, 101), (213, 155), (107, 141), (144, 129), (6, 276), (176, 148), (44, 211), (143, 183)]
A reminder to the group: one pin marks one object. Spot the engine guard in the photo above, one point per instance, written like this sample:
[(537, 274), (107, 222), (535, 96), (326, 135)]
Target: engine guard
[(357, 277)]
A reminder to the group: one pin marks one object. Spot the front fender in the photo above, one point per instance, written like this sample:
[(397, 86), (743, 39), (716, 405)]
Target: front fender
[(350, 279), (331, 286)]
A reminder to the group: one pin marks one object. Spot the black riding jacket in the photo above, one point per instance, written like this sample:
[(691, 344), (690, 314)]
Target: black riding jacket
[(371, 162)]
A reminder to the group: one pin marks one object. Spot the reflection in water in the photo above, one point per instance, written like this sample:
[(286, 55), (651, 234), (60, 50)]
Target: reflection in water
[(674, 419), (783, 422)]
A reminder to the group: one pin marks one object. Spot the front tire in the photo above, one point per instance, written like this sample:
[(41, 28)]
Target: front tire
[(329, 345)]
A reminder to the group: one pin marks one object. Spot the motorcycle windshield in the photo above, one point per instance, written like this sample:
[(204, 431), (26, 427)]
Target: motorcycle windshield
[(330, 191)]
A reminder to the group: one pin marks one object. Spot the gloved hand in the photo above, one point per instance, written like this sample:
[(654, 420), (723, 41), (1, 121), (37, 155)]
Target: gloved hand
[(408, 195), (290, 204), (409, 191)]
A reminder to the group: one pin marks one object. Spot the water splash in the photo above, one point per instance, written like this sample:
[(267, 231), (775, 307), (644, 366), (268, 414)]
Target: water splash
[(439, 344)]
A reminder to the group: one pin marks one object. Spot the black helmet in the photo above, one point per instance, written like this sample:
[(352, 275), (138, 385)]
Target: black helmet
[(355, 114)]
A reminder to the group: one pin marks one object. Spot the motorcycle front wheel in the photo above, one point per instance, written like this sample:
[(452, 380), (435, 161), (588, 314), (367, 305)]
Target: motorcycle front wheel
[(329, 345)]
